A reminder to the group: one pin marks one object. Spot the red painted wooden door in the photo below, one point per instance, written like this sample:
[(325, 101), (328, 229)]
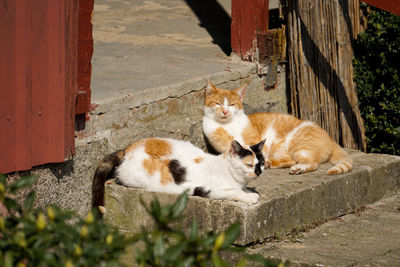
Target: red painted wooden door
[(38, 81), (249, 17)]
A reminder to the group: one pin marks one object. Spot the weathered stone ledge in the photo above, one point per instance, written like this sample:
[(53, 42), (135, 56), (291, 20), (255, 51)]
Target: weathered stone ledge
[(286, 201)]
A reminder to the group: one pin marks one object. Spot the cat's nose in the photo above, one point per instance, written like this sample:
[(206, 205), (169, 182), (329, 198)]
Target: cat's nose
[(224, 111)]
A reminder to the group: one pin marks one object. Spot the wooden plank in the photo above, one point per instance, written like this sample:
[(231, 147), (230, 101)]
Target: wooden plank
[(15, 84), (23, 80), (38, 75), (52, 123), (8, 81), (56, 104), (85, 52), (71, 73), (44, 64)]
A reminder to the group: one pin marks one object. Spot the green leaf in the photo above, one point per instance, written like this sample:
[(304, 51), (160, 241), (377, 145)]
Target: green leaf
[(3, 179), (173, 252), (156, 209), (193, 231), (28, 203), (218, 262), (8, 259), (159, 247), (23, 182), (187, 262), (11, 204), (148, 210), (241, 263), (232, 233), (49, 257), (179, 205), (165, 214), (209, 240), (113, 264)]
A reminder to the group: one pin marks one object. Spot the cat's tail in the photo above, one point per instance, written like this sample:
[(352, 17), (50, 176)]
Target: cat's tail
[(104, 172), (341, 160)]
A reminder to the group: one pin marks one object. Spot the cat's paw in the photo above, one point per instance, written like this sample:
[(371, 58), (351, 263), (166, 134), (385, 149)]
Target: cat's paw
[(267, 163), (297, 169), (251, 198)]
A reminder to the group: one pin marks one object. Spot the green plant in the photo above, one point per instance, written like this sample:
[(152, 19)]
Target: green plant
[(168, 245), (52, 237), (376, 72)]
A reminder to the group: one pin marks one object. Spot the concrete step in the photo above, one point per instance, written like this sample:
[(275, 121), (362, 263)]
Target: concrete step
[(370, 237), (286, 201)]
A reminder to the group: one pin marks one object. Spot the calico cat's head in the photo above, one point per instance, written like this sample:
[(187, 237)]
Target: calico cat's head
[(246, 163), (222, 105), (257, 149)]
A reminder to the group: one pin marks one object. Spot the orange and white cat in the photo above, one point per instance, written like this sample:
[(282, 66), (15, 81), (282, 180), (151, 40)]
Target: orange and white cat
[(173, 166), (289, 142)]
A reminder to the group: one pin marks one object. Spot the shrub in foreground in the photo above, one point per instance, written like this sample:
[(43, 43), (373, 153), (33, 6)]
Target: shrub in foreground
[(53, 237), (168, 245)]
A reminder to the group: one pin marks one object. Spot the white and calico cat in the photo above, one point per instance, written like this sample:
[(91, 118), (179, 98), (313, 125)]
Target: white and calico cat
[(173, 166), (289, 142)]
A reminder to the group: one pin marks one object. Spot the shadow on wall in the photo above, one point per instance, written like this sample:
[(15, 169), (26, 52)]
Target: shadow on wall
[(215, 20)]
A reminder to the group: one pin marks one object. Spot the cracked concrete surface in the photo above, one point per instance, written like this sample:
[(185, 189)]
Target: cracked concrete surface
[(367, 238)]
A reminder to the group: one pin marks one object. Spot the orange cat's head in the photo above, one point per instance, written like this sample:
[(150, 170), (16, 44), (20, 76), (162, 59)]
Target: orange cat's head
[(221, 105)]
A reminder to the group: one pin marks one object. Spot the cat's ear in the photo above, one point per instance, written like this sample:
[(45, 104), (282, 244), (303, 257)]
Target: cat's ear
[(210, 86), (241, 91), (257, 148), (235, 148), (260, 145)]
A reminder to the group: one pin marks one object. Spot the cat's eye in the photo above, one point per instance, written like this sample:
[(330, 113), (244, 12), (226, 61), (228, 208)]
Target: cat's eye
[(231, 105), (249, 165)]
